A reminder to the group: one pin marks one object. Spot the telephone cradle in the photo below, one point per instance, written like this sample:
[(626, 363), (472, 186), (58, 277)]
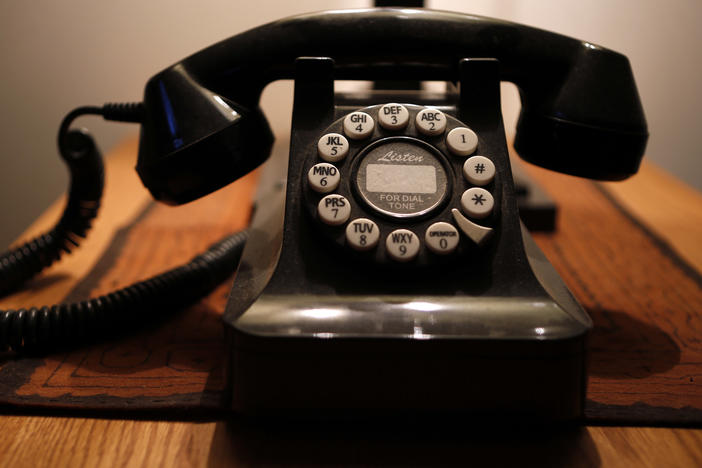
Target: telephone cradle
[(386, 268)]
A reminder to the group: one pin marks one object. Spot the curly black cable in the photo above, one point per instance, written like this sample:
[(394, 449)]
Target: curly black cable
[(48, 327), (81, 155)]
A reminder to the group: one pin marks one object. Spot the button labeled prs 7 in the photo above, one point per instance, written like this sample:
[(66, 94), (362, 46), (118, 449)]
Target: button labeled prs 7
[(323, 177), (334, 210), (358, 125)]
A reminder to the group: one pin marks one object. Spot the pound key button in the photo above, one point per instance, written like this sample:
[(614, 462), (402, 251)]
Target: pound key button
[(441, 238), (430, 122), (323, 177), (362, 234), (402, 245), (333, 147), (358, 125), (479, 170), (334, 210)]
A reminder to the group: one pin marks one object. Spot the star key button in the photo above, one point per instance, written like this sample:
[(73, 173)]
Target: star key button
[(477, 202)]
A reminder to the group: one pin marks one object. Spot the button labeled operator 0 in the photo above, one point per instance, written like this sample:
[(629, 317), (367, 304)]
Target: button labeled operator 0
[(393, 116), (334, 210), (477, 202), (430, 122), (323, 177), (441, 238), (362, 234), (462, 141), (358, 125), (333, 147)]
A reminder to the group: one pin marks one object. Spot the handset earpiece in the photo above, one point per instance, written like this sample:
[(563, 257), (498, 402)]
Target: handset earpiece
[(195, 141), (592, 125)]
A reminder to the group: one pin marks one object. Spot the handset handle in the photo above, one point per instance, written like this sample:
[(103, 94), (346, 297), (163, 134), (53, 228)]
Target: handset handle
[(571, 90)]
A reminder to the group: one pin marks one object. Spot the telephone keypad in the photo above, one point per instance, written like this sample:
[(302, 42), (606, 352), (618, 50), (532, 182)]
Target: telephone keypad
[(362, 234), (479, 170), (462, 141), (358, 125), (477, 202), (333, 147), (323, 177), (405, 182), (334, 210)]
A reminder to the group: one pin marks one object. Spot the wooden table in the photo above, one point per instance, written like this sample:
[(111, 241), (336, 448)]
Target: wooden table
[(666, 206)]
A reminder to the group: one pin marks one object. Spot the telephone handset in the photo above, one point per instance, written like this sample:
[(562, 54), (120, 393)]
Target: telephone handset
[(390, 271)]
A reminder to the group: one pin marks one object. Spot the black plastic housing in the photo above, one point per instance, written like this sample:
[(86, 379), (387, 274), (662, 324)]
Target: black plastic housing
[(317, 330), (581, 110)]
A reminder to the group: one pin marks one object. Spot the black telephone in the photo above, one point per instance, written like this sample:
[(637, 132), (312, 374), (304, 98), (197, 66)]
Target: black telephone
[(390, 272)]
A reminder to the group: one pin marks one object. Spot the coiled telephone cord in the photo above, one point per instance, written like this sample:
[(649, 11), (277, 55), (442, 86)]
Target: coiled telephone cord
[(43, 328)]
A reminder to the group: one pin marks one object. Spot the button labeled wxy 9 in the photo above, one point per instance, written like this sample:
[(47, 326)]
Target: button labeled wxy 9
[(402, 245)]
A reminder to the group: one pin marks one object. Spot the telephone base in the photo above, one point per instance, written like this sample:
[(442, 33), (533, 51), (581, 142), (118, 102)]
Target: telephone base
[(352, 356)]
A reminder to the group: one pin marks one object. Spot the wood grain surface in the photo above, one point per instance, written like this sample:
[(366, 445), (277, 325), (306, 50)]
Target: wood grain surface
[(39, 441)]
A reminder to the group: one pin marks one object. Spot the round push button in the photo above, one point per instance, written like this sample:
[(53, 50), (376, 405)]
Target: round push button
[(362, 234), (323, 177), (441, 238), (333, 147), (358, 125), (479, 170), (462, 141), (402, 245), (334, 210), (393, 116), (477, 202), (430, 122)]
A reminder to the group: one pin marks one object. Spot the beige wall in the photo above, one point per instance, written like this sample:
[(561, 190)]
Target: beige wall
[(57, 55)]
